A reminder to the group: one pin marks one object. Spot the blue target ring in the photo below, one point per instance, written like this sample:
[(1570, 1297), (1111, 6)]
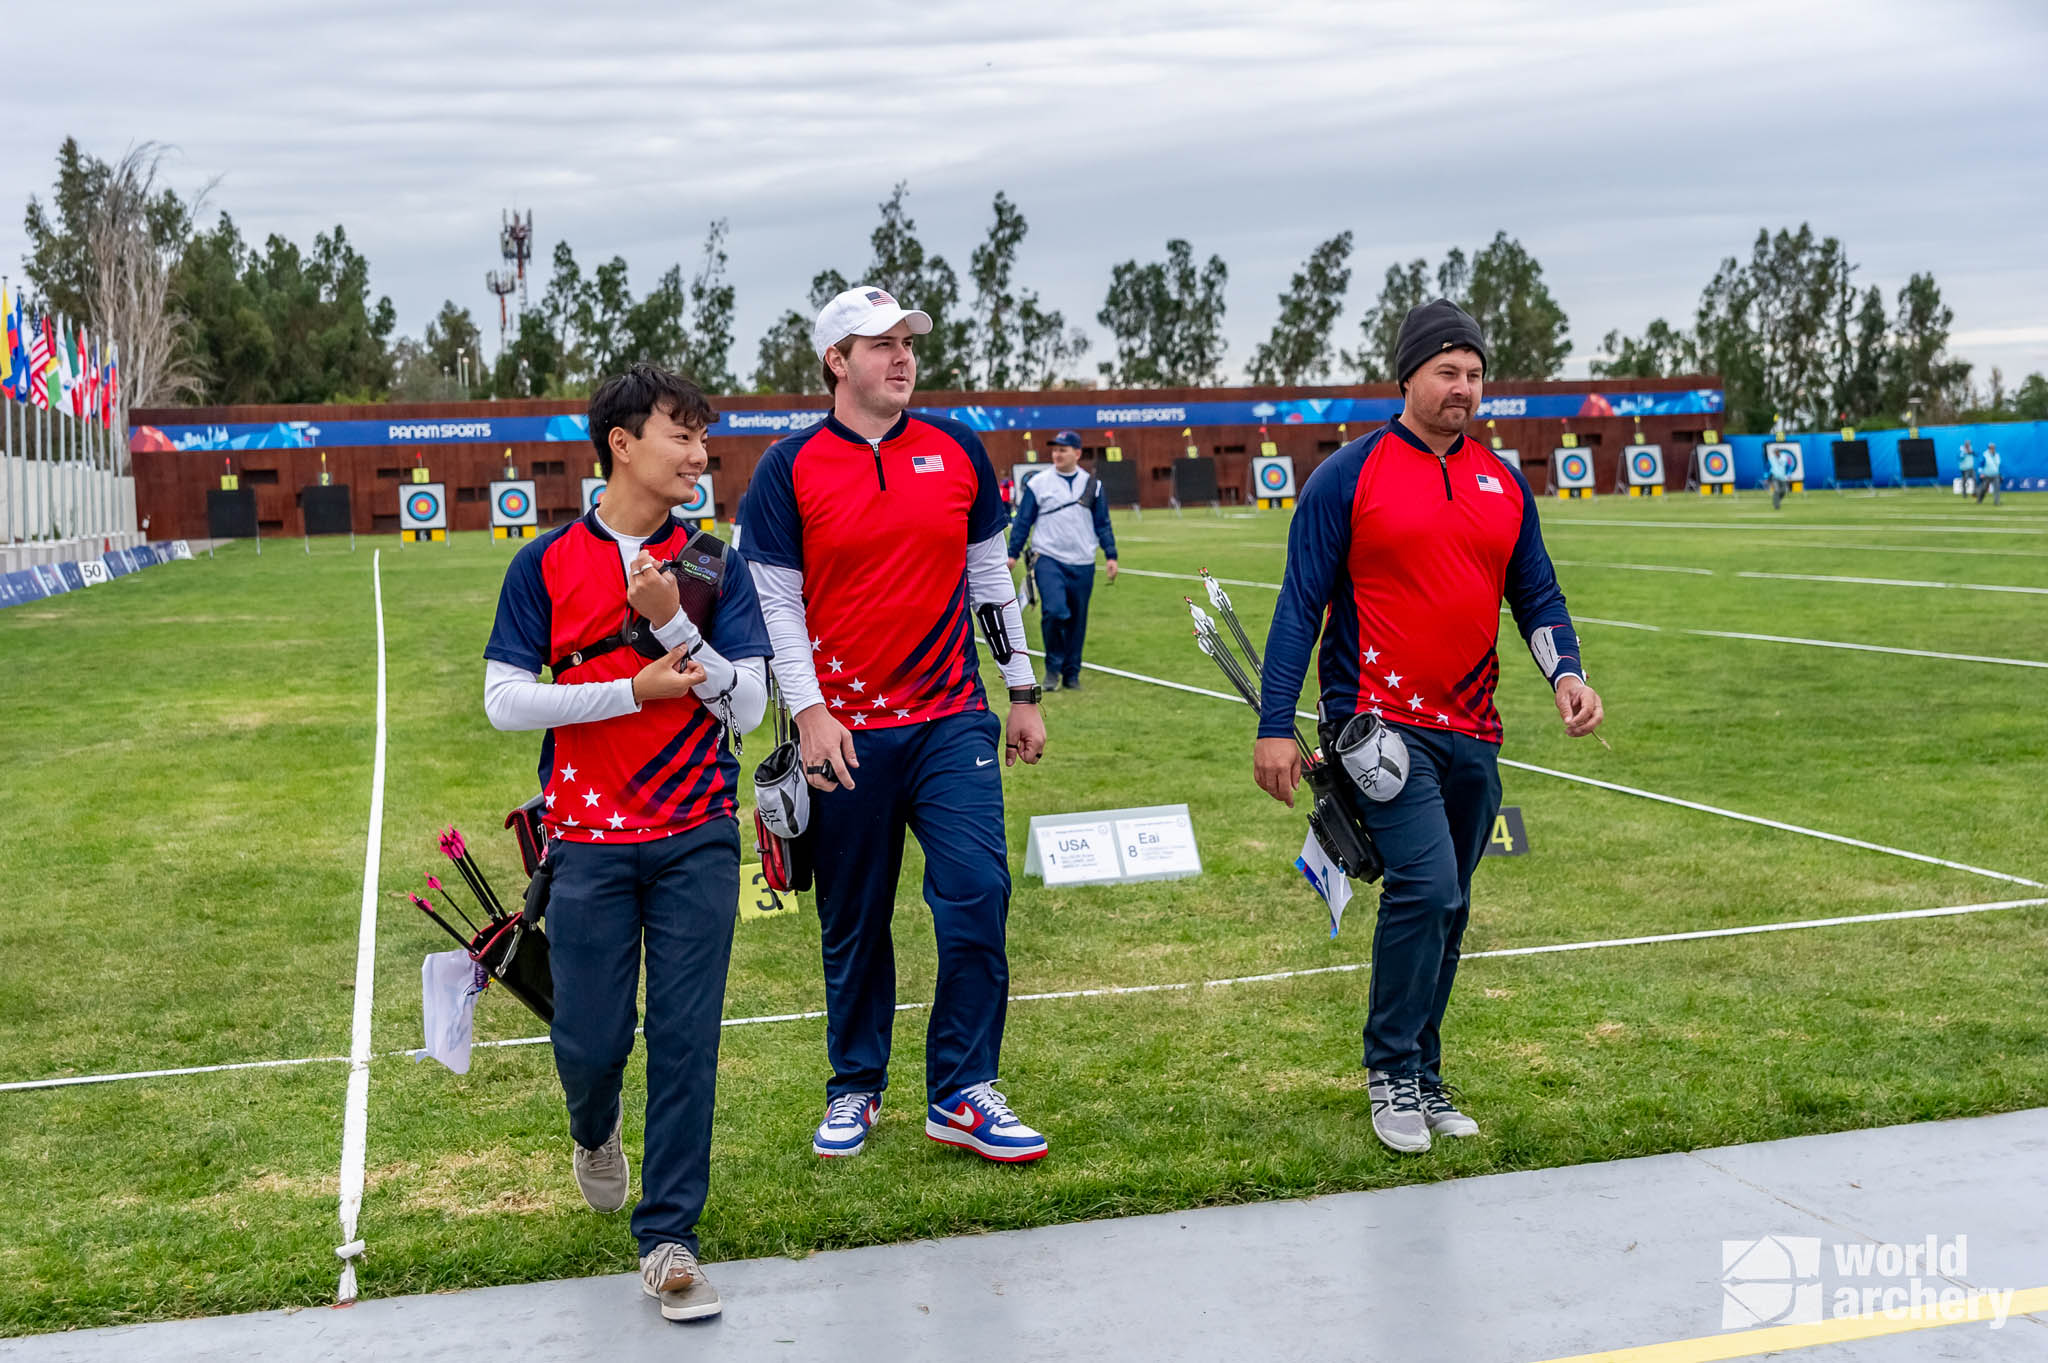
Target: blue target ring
[(1717, 463), (700, 501), (1274, 476), (1646, 465), (422, 506), (1574, 467), (512, 503)]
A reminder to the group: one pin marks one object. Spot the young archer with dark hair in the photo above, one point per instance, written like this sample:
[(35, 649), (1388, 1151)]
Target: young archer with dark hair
[(656, 644)]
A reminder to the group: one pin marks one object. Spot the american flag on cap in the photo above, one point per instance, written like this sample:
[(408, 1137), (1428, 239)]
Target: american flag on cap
[(880, 299)]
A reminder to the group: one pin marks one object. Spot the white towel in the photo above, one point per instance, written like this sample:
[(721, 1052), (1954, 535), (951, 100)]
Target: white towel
[(1330, 882), (449, 984)]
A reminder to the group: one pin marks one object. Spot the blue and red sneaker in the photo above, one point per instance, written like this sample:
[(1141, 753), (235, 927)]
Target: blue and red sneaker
[(847, 1119), (977, 1118)]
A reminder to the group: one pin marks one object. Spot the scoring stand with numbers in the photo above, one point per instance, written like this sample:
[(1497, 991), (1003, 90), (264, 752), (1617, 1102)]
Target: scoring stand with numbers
[(1110, 846)]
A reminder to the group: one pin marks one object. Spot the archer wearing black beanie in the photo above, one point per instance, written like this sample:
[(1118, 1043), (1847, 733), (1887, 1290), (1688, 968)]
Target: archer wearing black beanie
[(1431, 329)]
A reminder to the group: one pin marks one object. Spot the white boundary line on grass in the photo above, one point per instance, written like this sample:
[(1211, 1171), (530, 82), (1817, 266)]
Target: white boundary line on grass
[(1634, 567), (1766, 525), (355, 1120), (1619, 624), (1896, 582), (1125, 990)]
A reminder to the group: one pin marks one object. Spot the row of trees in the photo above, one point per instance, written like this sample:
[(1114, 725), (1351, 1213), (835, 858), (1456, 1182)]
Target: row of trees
[(1794, 340), (211, 317)]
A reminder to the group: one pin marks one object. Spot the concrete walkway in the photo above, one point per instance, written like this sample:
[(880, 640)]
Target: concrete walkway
[(1512, 1268)]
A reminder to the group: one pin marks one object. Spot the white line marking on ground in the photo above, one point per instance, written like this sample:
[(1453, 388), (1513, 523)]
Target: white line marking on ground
[(1774, 823), (1632, 790), (1869, 648), (1907, 548), (1957, 516), (1899, 582), (169, 1074), (1634, 567), (1192, 577), (1618, 624), (1117, 991), (1575, 522), (356, 1120)]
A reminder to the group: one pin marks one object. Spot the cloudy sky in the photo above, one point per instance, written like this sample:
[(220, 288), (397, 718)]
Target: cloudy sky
[(1629, 146)]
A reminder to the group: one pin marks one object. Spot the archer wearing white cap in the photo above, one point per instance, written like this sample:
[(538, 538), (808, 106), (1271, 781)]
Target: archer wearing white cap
[(874, 539)]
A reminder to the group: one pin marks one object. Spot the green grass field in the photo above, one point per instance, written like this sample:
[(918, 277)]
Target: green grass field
[(187, 755)]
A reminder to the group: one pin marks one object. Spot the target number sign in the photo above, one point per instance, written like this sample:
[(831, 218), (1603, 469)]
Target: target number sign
[(1574, 467), (703, 504), (94, 573), (1717, 463), (513, 503), (1645, 464), (1273, 475), (423, 506)]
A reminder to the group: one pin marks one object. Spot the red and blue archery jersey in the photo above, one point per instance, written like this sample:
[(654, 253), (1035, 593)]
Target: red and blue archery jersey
[(662, 769), (1403, 557), (880, 534)]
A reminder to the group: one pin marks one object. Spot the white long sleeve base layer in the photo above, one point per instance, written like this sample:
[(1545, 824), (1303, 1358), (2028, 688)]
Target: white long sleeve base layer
[(782, 607), (515, 699)]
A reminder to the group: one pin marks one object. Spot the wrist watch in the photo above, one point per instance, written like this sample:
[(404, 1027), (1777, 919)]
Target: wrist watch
[(1033, 694)]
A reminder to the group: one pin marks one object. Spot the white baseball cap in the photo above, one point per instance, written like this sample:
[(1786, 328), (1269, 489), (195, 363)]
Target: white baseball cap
[(863, 311)]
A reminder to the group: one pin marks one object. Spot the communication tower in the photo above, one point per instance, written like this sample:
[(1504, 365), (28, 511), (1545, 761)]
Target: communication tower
[(515, 244)]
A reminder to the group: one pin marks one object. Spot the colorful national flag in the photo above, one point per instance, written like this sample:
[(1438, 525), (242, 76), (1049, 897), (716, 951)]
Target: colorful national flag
[(74, 360), (113, 395), (6, 340), (17, 351), (928, 463), (39, 362)]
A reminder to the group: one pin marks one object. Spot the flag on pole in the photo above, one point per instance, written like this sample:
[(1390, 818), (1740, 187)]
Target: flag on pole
[(17, 351), (39, 362), (75, 362), (6, 339), (113, 398)]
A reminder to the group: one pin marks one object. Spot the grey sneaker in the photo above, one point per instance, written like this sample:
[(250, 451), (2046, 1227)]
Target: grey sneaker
[(603, 1174), (1052, 684), (1441, 1111), (1397, 1117), (672, 1276)]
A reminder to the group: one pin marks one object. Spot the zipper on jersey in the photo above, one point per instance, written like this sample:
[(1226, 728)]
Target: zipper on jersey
[(880, 482), (1445, 469)]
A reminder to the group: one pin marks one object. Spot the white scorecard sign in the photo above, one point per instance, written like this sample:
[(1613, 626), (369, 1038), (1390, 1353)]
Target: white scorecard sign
[(1104, 845)]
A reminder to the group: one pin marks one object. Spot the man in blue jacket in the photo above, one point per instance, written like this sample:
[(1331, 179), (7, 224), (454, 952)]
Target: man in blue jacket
[(1063, 513)]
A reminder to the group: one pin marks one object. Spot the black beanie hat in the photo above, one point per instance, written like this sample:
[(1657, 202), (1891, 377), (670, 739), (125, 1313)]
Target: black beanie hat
[(1431, 329)]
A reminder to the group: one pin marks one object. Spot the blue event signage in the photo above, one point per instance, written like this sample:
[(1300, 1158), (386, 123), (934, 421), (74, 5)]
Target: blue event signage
[(307, 435)]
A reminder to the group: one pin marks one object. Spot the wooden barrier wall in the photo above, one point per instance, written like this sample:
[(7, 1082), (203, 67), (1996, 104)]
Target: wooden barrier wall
[(171, 485)]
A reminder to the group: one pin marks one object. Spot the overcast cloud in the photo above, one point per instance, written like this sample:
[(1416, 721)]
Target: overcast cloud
[(1629, 146)]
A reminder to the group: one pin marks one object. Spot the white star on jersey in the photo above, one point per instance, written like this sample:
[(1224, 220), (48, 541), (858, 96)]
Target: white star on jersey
[(817, 644), (568, 773), (1372, 655), (1415, 702), (617, 820), (903, 714), (856, 686), (590, 799), (1393, 679), (859, 720), (834, 664), (881, 703)]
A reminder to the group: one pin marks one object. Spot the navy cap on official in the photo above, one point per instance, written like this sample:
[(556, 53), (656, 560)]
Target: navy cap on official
[(1068, 438), (1431, 329)]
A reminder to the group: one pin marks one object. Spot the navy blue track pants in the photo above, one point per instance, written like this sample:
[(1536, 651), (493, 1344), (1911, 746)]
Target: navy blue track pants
[(679, 896), (1432, 835), (1063, 592), (943, 782)]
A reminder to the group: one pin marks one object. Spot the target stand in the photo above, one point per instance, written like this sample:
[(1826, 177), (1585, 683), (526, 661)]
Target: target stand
[(515, 513), (1795, 457), (1713, 471), (1642, 471), (423, 513), (1571, 472), (1273, 479)]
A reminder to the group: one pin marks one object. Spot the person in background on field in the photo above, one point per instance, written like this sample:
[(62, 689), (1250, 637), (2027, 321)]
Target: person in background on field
[(1990, 477), (1064, 515), (1781, 476), (1967, 466)]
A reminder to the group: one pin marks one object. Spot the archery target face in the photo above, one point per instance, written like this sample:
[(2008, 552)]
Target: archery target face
[(593, 488), (1274, 474), (1645, 464), (1717, 464), (423, 506), (1574, 468), (702, 504), (513, 503)]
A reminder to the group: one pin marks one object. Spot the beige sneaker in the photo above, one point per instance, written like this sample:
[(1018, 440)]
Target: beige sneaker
[(673, 1277), (1397, 1111), (603, 1174)]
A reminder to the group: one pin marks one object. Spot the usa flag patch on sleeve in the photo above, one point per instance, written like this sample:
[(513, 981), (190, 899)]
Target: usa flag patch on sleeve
[(1487, 482), (928, 463)]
